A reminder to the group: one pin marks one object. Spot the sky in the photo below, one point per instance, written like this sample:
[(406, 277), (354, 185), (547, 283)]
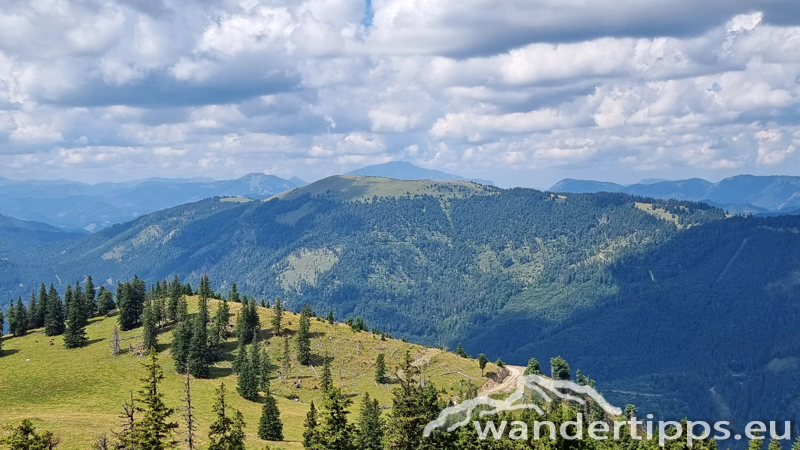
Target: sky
[(522, 92)]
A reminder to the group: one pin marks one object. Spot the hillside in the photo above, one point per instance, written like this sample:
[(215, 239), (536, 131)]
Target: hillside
[(742, 194), (516, 273), (83, 399), (403, 170)]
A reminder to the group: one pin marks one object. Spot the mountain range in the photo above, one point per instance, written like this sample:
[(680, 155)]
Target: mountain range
[(742, 194), (403, 170), (671, 305)]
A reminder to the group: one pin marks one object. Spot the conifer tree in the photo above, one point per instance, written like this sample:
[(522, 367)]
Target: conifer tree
[(240, 359), (90, 296), (533, 367), (270, 427), (310, 429), (153, 430), (304, 340), (774, 445), (326, 381), (482, 362), (183, 309), (560, 369), (277, 319), (796, 445), (188, 413), (175, 293), (2, 323), (370, 425), (20, 324), (248, 377), (380, 369), (460, 351), (227, 431), (286, 362), (221, 318), (205, 288), (233, 295), (25, 437), (42, 306), (75, 334), (131, 296), (756, 443), (266, 371), (149, 331), (199, 356), (54, 315), (247, 322), (105, 301), (181, 340), (335, 431), (413, 406), (33, 312), (330, 317)]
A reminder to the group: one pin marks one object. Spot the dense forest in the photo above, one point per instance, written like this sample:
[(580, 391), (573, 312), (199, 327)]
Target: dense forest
[(673, 305)]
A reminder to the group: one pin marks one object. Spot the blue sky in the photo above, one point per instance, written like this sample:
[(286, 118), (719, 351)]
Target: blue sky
[(521, 92)]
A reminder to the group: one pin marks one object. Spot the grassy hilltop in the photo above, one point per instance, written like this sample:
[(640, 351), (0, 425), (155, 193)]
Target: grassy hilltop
[(78, 394)]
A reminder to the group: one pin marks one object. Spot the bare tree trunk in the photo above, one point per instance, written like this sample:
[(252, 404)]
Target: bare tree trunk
[(191, 426)]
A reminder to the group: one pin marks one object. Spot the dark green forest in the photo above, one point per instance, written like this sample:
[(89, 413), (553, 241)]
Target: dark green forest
[(671, 305)]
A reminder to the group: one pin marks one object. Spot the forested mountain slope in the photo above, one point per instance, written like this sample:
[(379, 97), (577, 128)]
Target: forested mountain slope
[(677, 307)]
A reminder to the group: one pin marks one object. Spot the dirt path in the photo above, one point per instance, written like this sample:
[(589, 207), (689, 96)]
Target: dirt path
[(508, 384)]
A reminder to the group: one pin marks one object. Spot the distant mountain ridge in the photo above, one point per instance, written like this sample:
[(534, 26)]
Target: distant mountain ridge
[(403, 170), (741, 194), (73, 205)]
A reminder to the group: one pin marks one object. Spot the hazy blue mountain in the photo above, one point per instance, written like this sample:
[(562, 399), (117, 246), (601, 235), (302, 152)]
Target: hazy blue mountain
[(403, 170), (585, 186), (73, 205), (670, 305), (742, 194), (298, 181)]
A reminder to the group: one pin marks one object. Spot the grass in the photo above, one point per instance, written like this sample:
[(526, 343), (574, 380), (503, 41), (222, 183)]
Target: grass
[(78, 393)]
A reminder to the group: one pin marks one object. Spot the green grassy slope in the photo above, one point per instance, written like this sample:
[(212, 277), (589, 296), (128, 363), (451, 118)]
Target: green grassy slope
[(78, 393)]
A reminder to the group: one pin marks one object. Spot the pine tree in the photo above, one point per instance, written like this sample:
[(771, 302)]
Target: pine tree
[(227, 431), (756, 443), (181, 340), (240, 359), (559, 369), (131, 296), (370, 425), (25, 437), (153, 430), (330, 317), (247, 322), (266, 371), (149, 331), (277, 319), (335, 432), (89, 297), (248, 377), (326, 381), (183, 309), (20, 324), (774, 445), (482, 362), (380, 369), (43, 305), (796, 445), (199, 356), (310, 429), (205, 288), (54, 315), (304, 340), (270, 427), (460, 351), (533, 367), (413, 406), (105, 301)]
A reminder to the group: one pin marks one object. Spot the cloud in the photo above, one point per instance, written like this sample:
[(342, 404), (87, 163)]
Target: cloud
[(167, 88)]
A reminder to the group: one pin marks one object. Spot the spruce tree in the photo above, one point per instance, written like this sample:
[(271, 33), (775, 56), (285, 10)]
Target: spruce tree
[(380, 369), (221, 319), (270, 427), (199, 355), (326, 381), (266, 371), (460, 351), (233, 295), (559, 369), (153, 430), (175, 293), (43, 305), (181, 340), (370, 425), (330, 318), (25, 437), (20, 326), (304, 340), (774, 445), (796, 445), (335, 431), (240, 359), (183, 309), (227, 431), (75, 334), (54, 315), (105, 301), (89, 297), (277, 319), (533, 367), (413, 406), (149, 330), (247, 322), (248, 377), (205, 288), (33, 312), (310, 429)]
